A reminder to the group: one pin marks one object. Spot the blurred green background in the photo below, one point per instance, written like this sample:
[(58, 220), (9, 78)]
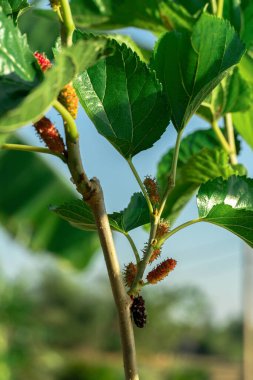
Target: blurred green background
[(58, 327)]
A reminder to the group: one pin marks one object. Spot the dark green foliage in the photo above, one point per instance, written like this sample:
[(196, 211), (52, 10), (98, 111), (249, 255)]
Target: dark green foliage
[(24, 208), (189, 374), (124, 99), (190, 66)]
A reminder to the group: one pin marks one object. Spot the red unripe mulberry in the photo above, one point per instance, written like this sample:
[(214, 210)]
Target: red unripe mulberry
[(152, 190), (155, 254), (69, 99), (129, 274), (43, 61), (161, 271), (162, 229), (50, 135)]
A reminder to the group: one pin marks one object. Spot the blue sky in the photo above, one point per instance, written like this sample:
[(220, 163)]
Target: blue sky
[(208, 257)]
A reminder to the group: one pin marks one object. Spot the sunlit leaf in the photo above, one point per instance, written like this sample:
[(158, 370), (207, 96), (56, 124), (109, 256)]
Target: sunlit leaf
[(124, 100), (69, 63), (228, 204), (200, 159), (190, 66), (15, 55)]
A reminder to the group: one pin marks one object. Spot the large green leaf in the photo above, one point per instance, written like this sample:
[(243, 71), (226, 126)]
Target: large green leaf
[(247, 30), (124, 100), (190, 66), (38, 23), (14, 8), (69, 63), (114, 14), (200, 159), (28, 187), (243, 121), (175, 16), (233, 94), (15, 55), (80, 216), (228, 204)]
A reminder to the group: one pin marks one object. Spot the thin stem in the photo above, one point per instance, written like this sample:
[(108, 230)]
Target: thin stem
[(173, 173), (29, 148), (137, 177), (122, 300), (231, 137), (172, 232), (70, 124), (220, 6), (134, 248), (137, 284), (67, 24), (92, 193), (220, 137), (213, 6)]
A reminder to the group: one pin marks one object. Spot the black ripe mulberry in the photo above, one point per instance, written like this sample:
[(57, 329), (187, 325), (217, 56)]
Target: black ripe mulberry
[(138, 311)]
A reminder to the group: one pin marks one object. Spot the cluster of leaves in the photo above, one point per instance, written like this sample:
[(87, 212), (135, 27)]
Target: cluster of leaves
[(199, 65)]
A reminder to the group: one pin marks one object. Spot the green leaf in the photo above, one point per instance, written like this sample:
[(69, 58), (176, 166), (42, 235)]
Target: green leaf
[(192, 6), (38, 23), (124, 100), (247, 30), (135, 215), (190, 66), (232, 12), (228, 204), (174, 16), (120, 38), (233, 94), (200, 159), (14, 8), (15, 55), (107, 14), (69, 63), (79, 215), (243, 123), (28, 186)]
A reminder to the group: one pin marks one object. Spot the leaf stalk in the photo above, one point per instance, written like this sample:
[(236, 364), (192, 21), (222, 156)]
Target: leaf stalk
[(225, 145), (30, 148), (231, 137), (67, 23), (70, 125), (173, 173), (220, 6), (138, 179), (133, 246)]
